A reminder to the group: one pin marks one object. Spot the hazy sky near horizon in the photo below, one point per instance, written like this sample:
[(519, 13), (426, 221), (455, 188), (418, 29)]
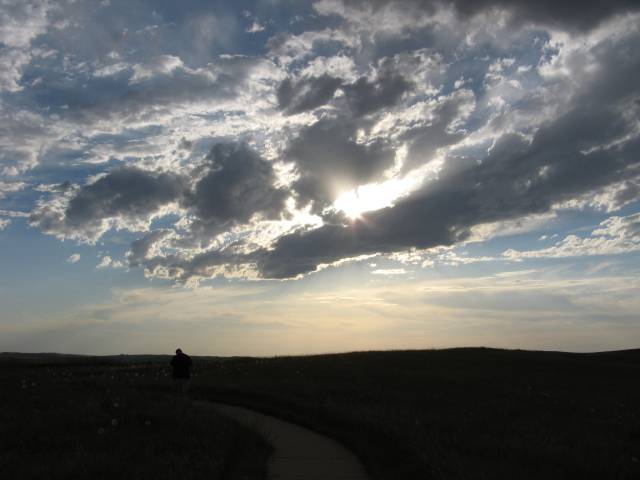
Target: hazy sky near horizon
[(281, 177)]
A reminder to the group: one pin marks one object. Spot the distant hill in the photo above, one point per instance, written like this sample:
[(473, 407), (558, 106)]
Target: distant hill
[(623, 356), (52, 358)]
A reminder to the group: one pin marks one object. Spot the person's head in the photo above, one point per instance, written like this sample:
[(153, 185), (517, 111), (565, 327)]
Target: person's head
[(178, 351)]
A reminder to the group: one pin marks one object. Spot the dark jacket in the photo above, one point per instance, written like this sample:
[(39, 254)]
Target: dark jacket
[(181, 365)]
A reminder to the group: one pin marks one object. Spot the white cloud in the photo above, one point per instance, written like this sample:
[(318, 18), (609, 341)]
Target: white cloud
[(449, 256), (4, 223), (390, 271), (162, 65), (24, 137), (112, 69), (11, 187), (74, 258), (12, 62), (518, 226), (108, 262), (13, 214), (289, 48), (609, 199), (20, 22), (255, 27), (615, 235)]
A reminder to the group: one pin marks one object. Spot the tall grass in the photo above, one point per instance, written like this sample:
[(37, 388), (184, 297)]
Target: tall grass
[(455, 414), (79, 422)]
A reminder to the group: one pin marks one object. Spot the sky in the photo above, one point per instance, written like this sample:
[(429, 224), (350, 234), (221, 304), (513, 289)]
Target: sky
[(275, 177)]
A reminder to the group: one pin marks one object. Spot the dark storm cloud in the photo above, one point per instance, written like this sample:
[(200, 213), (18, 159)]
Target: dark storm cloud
[(503, 186), (328, 158), (567, 157), (231, 185), (127, 192), (124, 194), (367, 96), (306, 93), (571, 14), (580, 14), (237, 183), (330, 161)]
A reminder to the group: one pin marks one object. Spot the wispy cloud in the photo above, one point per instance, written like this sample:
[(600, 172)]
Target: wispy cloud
[(73, 258), (108, 262), (615, 235)]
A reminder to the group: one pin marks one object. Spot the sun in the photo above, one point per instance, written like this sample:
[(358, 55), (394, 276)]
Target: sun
[(351, 204), (374, 196)]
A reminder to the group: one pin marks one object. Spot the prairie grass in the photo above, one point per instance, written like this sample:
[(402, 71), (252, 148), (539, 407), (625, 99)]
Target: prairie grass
[(454, 414), (76, 422)]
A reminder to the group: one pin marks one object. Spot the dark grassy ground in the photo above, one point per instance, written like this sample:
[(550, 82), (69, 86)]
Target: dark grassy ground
[(455, 414), (441, 414), (60, 419)]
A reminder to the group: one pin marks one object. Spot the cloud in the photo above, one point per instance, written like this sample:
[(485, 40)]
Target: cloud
[(367, 96), (144, 247), (126, 196), (568, 155), (4, 223), (140, 87), (255, 27), (11, 187), (230, 186), (13, 214), (478, 123), (162, 65), (610, 198), (289, 48), (13, 60), (440, 127), (74, 258), (615, 235), (20, 23), (306, 93), (364, 96), (23, 136), (389, 271), (516, 179), (126, 191), (108, 262), (236, 184), (330, 161), (572, 14)]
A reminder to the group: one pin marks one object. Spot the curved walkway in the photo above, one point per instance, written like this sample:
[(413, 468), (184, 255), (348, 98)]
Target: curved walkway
[(299, 453)]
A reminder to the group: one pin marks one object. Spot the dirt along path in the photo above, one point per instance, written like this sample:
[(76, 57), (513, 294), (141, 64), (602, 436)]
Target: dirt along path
[(299, 453)]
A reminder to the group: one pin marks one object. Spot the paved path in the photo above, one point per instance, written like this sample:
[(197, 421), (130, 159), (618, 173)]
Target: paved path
[(299, 453)]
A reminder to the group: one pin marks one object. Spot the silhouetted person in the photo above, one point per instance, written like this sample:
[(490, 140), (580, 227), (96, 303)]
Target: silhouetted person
[(181, 365)]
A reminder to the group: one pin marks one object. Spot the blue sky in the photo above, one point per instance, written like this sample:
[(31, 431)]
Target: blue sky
[(276, 177)]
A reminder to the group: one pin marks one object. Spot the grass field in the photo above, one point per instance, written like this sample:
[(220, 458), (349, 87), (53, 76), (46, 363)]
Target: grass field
[(455, 414), (63, 420), (433, 414)]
